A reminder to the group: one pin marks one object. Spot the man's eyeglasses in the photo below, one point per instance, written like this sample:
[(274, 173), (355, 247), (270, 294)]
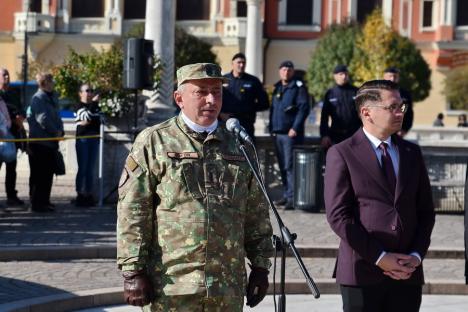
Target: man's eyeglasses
[(394, 108), (201, 93), (88, 90)]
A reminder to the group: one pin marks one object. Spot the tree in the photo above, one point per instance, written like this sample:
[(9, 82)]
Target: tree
[(336, 46), (379, 47), (368, 51), (456, 88), (372, 46), (103, 71)]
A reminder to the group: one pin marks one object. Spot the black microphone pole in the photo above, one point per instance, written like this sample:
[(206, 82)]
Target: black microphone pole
[(287, 240)]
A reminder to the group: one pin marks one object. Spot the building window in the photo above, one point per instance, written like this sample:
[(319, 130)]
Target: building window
[(462, 13), (35, 6), (193, 10), (134, 9), (241, 9), (427, 13), (88, 8), (365, 7), (301, 15)]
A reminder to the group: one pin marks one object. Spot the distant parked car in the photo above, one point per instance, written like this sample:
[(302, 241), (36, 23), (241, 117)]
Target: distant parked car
[(66, 105)]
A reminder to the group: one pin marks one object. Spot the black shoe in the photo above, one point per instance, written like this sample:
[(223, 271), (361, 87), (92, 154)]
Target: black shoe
[(81, 201), (42, 209), (15, 202), (289, 206), (280, 202), (90, 200)]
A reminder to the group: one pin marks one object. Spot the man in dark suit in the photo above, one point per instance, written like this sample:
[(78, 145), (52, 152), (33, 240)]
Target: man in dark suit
[(378, 201)]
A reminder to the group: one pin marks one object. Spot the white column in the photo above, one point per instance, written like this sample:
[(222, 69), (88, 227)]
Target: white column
[(254, 44), (450, 12), (64, 13), (387, 11), (45, 9), (352, 9), (160, 27)]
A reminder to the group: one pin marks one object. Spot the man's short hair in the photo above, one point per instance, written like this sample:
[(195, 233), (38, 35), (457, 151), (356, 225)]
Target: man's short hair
[(370, 92), (238, 55), (42, 78)]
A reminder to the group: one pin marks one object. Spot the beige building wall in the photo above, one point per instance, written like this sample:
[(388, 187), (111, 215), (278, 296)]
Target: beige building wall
[(280, 50), (9, 56)]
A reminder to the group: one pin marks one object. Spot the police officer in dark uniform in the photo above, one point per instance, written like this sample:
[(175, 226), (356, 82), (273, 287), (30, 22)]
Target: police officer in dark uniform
[(243, 95), (393, 74), (338, 105), (288, 112)]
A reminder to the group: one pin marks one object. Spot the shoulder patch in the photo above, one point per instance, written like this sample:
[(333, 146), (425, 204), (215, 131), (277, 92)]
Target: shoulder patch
[(131, 164), (299, 83), (233, 157), (183, 155)]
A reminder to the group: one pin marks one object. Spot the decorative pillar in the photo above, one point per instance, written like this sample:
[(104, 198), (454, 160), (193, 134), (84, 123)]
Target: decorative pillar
[(387, 11), (352, 9), (160, 27), (254, 44)]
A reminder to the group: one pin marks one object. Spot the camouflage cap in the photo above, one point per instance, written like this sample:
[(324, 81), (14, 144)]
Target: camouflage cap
[(199, 71)]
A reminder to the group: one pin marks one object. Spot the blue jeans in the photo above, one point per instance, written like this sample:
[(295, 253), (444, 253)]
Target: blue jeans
[(86, 154), (284, 151)]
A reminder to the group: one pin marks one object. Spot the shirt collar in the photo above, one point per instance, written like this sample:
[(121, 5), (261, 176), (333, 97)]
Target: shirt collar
[(375, 141), (197, 128)]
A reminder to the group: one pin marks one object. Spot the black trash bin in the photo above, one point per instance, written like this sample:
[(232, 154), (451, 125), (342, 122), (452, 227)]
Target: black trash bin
[(308, 165)]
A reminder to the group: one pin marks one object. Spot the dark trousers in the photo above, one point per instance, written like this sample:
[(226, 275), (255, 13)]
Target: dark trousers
[(389, 296), (10, 179), (87, 151), (284, 152), (41, 164)]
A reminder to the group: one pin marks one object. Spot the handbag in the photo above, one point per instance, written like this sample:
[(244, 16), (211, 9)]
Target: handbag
[(59, 168), (7, 149)]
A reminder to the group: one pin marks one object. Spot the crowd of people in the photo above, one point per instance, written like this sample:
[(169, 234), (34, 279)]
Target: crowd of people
[(190, 211), (45, 129)]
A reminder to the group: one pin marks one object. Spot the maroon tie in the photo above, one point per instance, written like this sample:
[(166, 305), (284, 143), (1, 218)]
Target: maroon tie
[(387, 166)]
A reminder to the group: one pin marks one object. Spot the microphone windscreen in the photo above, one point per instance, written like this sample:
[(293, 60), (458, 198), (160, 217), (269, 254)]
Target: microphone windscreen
[(232, 124)]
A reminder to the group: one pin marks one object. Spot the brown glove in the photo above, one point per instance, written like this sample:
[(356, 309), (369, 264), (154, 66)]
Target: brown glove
[(257, 287), (138, 290)]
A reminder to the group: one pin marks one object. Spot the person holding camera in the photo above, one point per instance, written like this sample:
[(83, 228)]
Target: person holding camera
[(288, 112), (88, 123)]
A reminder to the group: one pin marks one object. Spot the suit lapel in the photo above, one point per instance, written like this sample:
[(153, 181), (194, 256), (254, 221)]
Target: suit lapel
[(366, 156), (404, 165)]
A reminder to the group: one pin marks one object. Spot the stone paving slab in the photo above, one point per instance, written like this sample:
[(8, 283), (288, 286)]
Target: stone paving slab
[(329, 303), (21, 280)]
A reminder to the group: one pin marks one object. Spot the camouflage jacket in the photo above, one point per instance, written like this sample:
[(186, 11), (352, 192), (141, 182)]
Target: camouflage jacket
[(190, 211)]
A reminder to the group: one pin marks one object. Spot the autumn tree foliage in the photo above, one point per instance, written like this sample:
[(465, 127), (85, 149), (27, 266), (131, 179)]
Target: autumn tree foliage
[(368, 50), (456, 88)]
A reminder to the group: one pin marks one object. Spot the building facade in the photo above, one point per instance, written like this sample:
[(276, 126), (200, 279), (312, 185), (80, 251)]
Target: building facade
[(289, 30)]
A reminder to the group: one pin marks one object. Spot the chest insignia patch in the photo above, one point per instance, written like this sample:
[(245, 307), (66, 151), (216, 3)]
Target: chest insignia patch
[(183, 155), (233, 157)]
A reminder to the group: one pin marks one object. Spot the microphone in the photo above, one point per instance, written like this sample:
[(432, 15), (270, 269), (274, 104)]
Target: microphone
[(233, 125)]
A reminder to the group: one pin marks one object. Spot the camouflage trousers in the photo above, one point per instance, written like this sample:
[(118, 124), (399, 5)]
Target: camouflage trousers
[(195, 303)]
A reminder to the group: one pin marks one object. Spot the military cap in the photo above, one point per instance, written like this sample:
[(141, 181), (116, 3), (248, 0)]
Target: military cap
[(392, 70), (287, 64), (340, 69), (199, 71)]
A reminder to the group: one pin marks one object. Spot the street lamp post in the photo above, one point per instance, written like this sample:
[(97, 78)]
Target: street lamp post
[(25, 55)]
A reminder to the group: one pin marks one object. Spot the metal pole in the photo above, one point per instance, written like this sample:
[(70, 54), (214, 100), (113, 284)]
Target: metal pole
[(101, 158), (25, 58)]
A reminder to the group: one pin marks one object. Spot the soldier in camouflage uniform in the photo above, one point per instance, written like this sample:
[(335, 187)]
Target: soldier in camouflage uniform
[(190, 210)]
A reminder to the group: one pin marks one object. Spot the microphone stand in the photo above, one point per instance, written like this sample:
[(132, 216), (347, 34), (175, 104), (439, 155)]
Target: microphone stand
[(287, 240)]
